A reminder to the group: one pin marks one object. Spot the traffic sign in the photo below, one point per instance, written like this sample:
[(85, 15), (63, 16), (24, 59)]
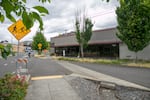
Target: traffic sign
[(39, 45), (18, 30)]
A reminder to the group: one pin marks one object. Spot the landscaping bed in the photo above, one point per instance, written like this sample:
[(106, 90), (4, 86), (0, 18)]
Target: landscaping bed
[(13, 87), (123, 62)]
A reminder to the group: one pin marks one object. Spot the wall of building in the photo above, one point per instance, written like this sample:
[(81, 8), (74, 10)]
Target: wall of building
[(52, 50), (15, 48), (106, 36), (64, 40), (125, 53), (99, 37)]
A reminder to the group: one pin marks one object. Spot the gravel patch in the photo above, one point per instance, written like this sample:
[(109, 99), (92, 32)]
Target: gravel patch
[(126, 93), (93, 90)]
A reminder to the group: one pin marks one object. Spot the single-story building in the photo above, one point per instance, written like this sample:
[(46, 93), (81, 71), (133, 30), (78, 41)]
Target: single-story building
[(104, 43)]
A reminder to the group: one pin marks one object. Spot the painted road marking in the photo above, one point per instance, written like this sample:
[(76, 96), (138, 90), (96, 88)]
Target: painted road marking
[(46, 77), (5, 64)]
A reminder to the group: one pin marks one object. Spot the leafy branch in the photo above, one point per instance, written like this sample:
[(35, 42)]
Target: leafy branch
[(5, 50), (11, 8)]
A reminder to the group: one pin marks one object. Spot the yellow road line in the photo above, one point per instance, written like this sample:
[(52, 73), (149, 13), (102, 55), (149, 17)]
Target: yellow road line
[(46, 77)]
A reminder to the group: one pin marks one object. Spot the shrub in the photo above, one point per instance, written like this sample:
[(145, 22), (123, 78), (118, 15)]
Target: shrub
[(53, 54), (13, 53), (13, 87)]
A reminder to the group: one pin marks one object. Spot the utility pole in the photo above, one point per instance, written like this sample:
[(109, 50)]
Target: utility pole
[(65, 31)]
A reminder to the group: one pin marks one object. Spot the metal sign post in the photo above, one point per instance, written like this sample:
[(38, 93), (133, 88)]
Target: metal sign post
[(18, 49), (40, 47), (18, 30)]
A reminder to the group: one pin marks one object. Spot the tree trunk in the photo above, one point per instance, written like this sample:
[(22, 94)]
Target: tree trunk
[(81, 48), (79, 52), (136, 58), (39, 52)]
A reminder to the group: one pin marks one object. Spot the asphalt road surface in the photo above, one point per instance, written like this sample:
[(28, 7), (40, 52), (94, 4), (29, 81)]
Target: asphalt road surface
[(46, 67), (7, 66), (140, 76), (36, 66)]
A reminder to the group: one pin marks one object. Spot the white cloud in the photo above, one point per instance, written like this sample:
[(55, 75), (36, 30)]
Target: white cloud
[(62, 14)]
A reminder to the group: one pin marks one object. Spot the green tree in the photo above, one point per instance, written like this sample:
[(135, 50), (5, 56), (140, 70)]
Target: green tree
[(5, 50), (83, 31), (134, 24), (49, 46), (12, 8), (39, 39)]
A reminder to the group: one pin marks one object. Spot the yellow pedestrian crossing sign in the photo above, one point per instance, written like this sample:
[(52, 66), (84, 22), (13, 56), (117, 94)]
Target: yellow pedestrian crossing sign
[(18, 30)]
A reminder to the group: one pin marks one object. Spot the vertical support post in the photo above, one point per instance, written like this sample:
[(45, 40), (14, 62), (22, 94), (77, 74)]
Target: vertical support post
[(17, 57), (18, 50)]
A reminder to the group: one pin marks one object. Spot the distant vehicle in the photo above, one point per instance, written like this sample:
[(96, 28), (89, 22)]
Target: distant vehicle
[(32, 53), (27, 49)]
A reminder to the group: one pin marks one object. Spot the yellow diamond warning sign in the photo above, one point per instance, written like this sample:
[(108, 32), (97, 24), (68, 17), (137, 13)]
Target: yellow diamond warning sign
[(18, 29)]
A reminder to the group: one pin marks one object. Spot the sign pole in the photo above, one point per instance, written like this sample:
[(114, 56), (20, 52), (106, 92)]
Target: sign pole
[(18, 49), (40, 47), (18, 30)]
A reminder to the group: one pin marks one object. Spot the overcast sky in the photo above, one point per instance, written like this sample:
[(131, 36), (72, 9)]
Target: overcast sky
[(61, 17)]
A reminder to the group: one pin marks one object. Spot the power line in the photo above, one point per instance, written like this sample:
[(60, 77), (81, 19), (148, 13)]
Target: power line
[(100, 14)]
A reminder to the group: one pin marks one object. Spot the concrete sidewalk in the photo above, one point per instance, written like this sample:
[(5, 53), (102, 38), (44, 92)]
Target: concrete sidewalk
[(51, 88), (57, 88), (87, 73)]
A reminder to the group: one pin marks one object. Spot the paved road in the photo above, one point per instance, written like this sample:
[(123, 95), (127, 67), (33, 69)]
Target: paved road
[(37, 67), (46, 67), (7, 66), (140, 76)]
